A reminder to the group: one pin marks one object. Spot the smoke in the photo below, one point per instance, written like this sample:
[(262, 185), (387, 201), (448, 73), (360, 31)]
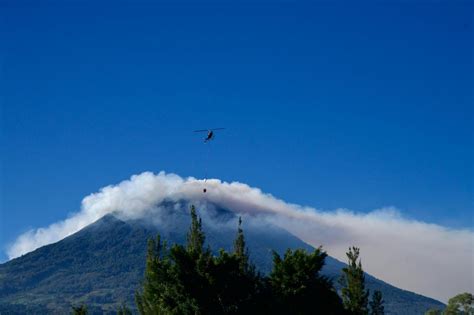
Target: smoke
[(421, 257)]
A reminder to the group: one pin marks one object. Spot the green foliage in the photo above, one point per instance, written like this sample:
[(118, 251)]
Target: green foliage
[(461, 304), (79, 310), (190, 280), (376, 305), (124, 310), (298, 287), (195, 235), (234, 284), (158, 290), (354, 294), (240, 251)]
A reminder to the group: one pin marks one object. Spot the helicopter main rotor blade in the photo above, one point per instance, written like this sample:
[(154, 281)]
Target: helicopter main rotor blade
[(207, 130)]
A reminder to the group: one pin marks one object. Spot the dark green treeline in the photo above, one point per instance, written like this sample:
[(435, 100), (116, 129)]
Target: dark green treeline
[(190, 280)]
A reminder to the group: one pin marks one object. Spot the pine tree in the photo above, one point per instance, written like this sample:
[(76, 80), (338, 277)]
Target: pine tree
[(195, 237), (80, 310), (354, 295), (177, 279), (124, 310), (240, 250), (376, 305), (239, 288), (190, 269), (158, 273), (297, 286)]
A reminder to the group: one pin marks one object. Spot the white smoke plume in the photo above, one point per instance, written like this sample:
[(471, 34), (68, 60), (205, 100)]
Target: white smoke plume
[(421, 257)]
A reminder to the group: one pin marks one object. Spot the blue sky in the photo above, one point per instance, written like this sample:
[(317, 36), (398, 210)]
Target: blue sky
[(325, 104)]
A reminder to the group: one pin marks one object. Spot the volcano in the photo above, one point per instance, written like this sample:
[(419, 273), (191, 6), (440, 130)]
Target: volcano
[(102, 265)]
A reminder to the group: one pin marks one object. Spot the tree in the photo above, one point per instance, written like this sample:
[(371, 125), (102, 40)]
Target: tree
[(460, 304), (191, 265), (124, 310), (376, 305), (354, 295), (297, 286), (240, 251), (195, 237), (238, 288), (433, 311), (79, 310), (158, 273), (189, 280)]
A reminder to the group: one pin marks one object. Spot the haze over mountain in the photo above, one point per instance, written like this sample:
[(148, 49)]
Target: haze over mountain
[(102, 264), (395, 249)]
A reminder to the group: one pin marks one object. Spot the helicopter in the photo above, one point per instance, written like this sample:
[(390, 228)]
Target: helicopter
[(209, 137), (210, 133)]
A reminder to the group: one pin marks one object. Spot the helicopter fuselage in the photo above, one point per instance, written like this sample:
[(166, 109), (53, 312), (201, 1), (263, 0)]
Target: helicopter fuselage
[(210, 135)]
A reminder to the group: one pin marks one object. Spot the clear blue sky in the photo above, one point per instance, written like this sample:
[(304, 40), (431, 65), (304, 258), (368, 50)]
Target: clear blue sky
[(327, 105)]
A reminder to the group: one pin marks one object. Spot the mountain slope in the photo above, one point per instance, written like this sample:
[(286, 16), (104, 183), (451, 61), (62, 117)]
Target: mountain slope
[(102, 265)]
